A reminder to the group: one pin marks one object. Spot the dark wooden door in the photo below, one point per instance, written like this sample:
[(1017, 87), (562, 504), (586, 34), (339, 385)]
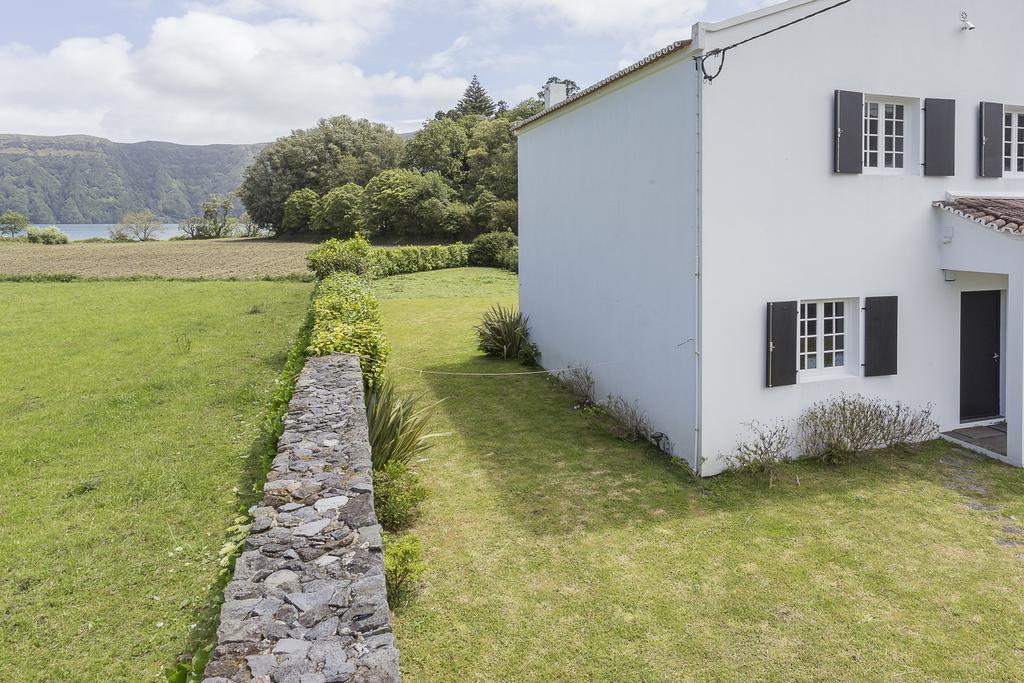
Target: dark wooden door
[(980, 313)]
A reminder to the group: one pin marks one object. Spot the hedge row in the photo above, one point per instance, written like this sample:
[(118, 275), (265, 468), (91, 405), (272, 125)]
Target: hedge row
[(356, 255), (417, 259), (346, 319)]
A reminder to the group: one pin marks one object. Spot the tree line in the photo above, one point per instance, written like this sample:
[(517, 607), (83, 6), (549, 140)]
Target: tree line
[(456, 178)]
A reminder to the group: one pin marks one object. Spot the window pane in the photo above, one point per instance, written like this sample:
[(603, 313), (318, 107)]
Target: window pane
[(840, 359), (839, 343), (829, 322), (812, 362), (828, 360), (828, 343), (840, 305), (812, 344), (840, 324)]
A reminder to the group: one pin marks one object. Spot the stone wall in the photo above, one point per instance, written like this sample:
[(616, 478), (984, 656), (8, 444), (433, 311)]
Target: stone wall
[(307, 603)]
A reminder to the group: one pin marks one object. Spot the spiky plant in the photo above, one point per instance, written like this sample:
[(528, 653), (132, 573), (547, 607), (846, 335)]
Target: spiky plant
[(399, 425), (503, 332)]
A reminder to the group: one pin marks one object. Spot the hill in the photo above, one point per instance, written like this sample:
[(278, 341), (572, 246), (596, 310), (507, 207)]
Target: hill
[(84, 179)]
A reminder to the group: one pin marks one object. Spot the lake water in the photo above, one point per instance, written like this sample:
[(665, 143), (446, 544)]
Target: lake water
[(80, 231)]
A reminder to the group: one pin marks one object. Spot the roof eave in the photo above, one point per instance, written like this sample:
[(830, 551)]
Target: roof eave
[(680, 46)]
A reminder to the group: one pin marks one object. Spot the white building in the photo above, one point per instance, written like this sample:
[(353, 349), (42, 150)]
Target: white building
[(835, 212)]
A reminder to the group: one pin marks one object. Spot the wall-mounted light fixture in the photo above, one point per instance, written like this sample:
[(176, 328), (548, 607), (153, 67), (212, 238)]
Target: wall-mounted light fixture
[(967, 25)]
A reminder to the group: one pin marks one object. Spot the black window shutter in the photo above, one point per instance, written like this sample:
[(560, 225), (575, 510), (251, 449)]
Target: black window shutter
[(780, 370), (881, 317), (849, 132), (991, 143), (939, 137)]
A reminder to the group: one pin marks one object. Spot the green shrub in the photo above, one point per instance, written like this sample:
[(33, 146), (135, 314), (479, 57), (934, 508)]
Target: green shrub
[(346, 319), (50, 235), (509, 259), (403, 567), (505, 333), (354, 255), (401, 260), (398, 425), (485, 249), (397, 492)]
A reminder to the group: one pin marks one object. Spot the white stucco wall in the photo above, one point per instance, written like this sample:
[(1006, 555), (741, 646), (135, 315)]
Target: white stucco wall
[(778, 225), (607, 230)]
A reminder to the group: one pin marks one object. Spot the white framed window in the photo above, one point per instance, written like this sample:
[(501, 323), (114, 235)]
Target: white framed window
[(1013, 141), (822, 337), (889, 135)]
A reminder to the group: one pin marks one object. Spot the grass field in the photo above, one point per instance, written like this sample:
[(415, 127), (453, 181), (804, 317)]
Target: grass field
[(556, 552), (128, 410), (211, 259)]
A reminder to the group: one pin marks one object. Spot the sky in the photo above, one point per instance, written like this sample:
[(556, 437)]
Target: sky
[(243, 71)]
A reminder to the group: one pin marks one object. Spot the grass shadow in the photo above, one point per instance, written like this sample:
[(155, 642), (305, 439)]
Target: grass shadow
[(255, 466), (558, 470)]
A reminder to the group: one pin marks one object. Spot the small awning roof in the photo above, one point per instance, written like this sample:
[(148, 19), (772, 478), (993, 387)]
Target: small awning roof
[(1002, 214)]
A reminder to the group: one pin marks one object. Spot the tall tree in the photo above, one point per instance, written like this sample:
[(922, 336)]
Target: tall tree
[(492, 159), (339, 211), (137, 225), (11, 222), (405, 203), (300, 210), (440, 146), (475, 100), (217, 216), (337, 151)]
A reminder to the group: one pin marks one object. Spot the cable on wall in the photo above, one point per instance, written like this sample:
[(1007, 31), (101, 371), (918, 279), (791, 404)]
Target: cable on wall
[(720, 51)]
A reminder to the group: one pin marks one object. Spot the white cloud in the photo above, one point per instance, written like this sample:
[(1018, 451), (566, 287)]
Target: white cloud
[(612, 17), (230, 71), (642, 25), (446, 60)]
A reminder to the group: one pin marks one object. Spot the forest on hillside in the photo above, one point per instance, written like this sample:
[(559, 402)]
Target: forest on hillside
[(83, 179)]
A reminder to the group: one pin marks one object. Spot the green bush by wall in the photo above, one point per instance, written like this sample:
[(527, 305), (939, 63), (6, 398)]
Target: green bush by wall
[(485, 249), (346, 319)]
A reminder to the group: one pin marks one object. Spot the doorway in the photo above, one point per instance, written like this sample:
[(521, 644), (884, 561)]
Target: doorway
[(980, 362)]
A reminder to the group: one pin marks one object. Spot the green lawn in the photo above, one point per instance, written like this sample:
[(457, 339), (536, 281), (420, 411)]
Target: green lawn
[(556, 552), (128, 409)]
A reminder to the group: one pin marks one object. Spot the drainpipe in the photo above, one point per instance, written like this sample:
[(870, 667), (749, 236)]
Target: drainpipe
[(698, 344), (1015, 368)]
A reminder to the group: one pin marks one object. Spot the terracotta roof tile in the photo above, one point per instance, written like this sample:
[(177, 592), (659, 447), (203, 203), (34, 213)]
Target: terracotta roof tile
[(646, 61), (1004, 214)]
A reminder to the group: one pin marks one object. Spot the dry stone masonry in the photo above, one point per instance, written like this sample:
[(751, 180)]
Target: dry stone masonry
[(307, 603)]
